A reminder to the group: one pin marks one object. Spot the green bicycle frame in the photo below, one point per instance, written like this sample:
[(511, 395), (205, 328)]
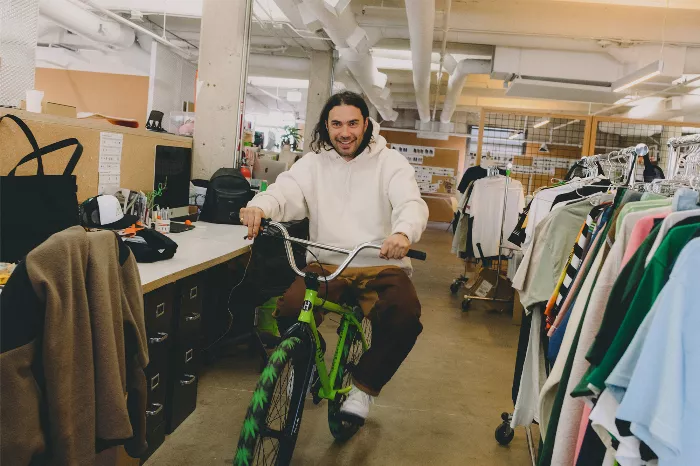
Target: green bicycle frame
[(311, 300)]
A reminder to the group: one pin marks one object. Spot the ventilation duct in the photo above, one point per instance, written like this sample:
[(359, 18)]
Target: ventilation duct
[(421, 21), (456, 84), (87, 24)]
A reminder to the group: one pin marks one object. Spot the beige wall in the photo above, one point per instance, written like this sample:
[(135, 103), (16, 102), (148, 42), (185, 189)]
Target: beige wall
[(118, 95)]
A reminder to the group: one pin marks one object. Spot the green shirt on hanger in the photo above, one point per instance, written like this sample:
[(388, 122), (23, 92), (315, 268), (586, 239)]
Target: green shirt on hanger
[(639, 206), (653, 280)]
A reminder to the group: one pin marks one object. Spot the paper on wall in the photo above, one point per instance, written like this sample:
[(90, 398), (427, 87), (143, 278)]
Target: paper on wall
[(429, 187), (109, 163), (417, 159)]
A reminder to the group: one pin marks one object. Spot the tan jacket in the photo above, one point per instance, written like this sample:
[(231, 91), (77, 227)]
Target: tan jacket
[(64, 393)]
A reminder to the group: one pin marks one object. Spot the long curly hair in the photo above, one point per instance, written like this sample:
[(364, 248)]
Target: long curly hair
[(321, 140)]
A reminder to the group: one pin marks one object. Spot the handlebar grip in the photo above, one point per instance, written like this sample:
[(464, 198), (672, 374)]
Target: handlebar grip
[(418, 255)]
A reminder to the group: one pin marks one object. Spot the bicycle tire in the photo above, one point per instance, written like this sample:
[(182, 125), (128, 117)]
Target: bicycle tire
[(343, 430), (265, 437)]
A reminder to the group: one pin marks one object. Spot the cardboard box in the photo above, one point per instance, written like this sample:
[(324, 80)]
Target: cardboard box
[(52, 108)]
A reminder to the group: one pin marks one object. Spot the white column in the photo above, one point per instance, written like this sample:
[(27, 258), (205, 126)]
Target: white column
[(320, 78), (223, 58)]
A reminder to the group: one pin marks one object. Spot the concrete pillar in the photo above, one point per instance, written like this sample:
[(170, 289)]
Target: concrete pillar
[(319, 91), (223, 62)]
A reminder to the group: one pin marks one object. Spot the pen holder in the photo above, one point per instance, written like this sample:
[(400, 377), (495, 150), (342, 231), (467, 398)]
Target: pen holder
[(163, 226)]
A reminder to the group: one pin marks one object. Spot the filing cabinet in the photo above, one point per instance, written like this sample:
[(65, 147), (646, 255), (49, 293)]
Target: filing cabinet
[(184, 352), (158, 313)]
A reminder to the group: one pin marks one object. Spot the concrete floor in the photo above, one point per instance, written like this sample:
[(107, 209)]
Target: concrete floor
[(441, 408)]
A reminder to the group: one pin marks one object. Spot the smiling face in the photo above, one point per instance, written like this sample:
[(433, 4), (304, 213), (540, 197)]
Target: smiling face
[(346, 128)]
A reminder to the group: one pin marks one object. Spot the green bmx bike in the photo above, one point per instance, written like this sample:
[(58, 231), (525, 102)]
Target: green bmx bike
[(297, 367)]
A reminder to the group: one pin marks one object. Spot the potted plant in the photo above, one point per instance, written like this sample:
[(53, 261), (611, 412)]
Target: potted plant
[(291, 137)]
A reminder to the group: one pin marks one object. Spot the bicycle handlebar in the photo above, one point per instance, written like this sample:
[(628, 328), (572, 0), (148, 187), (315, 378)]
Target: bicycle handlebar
[(351, 253)]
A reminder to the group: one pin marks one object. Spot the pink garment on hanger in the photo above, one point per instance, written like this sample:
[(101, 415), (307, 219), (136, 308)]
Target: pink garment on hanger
[(582, 429), (639, 233)]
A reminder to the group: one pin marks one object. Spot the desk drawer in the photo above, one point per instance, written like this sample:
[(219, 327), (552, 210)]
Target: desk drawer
[(156, 385), (158, 310), (155, 439), (189, 318), (183, 399)]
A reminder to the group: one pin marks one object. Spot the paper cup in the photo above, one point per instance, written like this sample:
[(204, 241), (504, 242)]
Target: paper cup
[(163, 226)]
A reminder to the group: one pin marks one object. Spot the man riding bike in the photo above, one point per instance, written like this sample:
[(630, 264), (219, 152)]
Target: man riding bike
[(354, 189)]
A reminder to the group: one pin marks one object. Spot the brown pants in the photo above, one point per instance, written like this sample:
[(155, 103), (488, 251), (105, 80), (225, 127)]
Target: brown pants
[(387, 297)]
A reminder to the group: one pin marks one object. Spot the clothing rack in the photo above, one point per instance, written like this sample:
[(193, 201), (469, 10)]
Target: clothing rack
[(624, 159), (680, 148), (492, 171), (685, 167)]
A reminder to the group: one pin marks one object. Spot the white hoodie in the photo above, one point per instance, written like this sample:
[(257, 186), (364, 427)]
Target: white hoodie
[(366, 199)]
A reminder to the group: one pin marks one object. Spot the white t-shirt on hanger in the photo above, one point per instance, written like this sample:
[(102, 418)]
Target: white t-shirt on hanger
[(486, 206)]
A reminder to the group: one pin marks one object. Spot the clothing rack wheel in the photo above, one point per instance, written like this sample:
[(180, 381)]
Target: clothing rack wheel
[(504, 433)]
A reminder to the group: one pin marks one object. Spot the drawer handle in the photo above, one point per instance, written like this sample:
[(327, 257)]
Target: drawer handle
[(159, 339), (189, 354), (193, 292), (192, 378), (158, 408), (160, 309), (155, 381), (192, 317)]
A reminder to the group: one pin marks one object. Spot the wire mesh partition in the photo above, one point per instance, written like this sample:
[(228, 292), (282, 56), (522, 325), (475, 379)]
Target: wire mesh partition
[(614, 134), (540, 146)]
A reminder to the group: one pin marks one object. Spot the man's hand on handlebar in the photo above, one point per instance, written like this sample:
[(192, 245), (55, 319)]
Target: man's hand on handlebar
[(395, 246), (251, 217)]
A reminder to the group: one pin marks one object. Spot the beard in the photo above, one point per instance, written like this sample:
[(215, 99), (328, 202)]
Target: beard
[(346, 147)]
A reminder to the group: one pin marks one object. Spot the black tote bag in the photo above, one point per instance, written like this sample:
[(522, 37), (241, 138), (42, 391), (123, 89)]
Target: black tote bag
[(32, 208)]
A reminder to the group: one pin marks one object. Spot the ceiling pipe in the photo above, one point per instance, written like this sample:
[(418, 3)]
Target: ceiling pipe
[(353, 45), (443, 47), (456, 84), (87, 24), (421, 21), (184, 53)]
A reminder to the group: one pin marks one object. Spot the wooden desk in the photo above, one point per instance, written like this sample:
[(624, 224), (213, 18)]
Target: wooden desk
[(209, 244)]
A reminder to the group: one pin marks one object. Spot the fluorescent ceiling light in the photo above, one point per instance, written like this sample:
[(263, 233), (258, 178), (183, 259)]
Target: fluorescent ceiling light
[(286, 83), (515, 135), (398, 64), (564, 125), (624, 100), (294, 96), (639, 76), (541, 123)]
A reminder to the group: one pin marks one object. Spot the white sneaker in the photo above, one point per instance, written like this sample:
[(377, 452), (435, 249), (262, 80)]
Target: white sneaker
[(356, 406)]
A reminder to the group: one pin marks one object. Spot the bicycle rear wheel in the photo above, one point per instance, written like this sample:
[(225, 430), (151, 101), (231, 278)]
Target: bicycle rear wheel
[(268, 435), (341, 429)]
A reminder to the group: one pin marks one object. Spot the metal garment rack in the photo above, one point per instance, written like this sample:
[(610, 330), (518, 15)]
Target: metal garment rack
[(492, 171), (628, 156), (626, 161), (680, 148)]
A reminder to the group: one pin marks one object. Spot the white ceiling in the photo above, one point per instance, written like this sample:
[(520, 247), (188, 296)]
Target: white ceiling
[(545, 46)]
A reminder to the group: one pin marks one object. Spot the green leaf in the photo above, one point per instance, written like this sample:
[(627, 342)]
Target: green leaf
[(243, 457), (289, 343), (268, 374), (280, 355), (250, 428), (259, 399)]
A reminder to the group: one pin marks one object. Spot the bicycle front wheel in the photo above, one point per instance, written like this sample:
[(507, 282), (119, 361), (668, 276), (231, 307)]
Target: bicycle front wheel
[(341, 429), (268, 435)]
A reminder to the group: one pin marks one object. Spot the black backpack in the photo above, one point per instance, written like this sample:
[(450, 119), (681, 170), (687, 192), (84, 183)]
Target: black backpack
[(228, 192)]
